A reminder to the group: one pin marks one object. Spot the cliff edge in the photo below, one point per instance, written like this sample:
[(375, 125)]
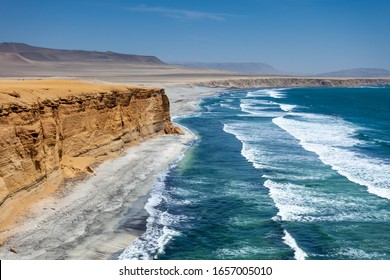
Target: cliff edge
[(290, 82), (53, 130)]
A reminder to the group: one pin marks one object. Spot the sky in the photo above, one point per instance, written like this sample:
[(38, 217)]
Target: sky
[(300, 36)]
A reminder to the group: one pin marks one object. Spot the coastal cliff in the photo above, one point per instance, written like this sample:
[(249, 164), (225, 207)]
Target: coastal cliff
[(54, 130), (295, 82)]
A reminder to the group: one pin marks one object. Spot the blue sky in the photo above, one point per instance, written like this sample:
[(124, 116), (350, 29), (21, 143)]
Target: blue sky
[(304, 36)]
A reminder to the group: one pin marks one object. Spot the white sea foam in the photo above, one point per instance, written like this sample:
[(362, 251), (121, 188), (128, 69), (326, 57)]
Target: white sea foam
[(247, 151), (265, 108), (147, 245), (165, 238), (299, 254), (158, 225), (243, 251), (262, 156), (277, 94), (259, 108), (359, 254), (256, 93), (228, 106), (287, 107), (374, 87), (209, 107), (303, 204), (332, 139), (296, 202), (158, 232), (259, 155), (250, 154), (274, 93), (292, 201)]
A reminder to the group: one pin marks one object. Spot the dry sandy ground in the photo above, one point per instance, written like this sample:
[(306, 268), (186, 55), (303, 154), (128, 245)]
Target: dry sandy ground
[(100, 216), (114, 72), (38, 89)]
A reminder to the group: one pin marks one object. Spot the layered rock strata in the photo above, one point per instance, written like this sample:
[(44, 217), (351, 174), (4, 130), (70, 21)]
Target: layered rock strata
[(53, 130)]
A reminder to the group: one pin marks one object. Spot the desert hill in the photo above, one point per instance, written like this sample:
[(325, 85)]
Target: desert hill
[(358, 73), (29, 53), (22, 60)]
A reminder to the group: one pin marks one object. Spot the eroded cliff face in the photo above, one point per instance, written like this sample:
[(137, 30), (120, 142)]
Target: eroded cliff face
[(265, 82), (52, 130)]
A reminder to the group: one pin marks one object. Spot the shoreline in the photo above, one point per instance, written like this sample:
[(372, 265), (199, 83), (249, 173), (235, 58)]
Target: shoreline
[(105, 216), (105, 221)]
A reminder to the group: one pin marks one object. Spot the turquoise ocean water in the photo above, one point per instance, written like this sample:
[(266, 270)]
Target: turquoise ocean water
[(277, 174)]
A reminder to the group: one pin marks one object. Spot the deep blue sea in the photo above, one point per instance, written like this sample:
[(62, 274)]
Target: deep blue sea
[(277, 174)]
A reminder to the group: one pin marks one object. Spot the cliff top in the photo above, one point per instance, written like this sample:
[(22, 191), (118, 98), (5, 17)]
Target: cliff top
[(33, 90)]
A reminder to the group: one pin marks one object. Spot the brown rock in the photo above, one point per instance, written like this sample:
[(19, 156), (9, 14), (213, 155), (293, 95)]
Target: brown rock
[(13, 250), (90, 170), (53, 129), (178, 130)]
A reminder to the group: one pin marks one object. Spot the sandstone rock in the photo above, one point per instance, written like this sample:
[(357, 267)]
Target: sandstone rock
[(47, 127), (13, 250), (178, 130)]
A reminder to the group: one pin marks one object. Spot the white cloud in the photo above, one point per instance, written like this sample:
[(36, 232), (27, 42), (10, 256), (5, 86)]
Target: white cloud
[(181, 13)]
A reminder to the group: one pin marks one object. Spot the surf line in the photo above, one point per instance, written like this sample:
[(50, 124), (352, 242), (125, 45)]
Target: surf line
[(299, 254)]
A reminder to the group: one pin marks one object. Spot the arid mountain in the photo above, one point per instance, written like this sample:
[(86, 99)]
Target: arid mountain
[(22, 60), (13, 58), (245, 67), (359, 73), (25, 52)]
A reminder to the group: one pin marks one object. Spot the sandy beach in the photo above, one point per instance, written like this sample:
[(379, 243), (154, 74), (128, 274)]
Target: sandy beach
[(98, 217)]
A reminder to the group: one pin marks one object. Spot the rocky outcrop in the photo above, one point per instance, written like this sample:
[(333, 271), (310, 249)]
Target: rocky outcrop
[(52, 130), (295, 82)]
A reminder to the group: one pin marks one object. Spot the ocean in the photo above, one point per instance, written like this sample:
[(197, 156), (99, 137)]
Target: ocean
[(277, 174)]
